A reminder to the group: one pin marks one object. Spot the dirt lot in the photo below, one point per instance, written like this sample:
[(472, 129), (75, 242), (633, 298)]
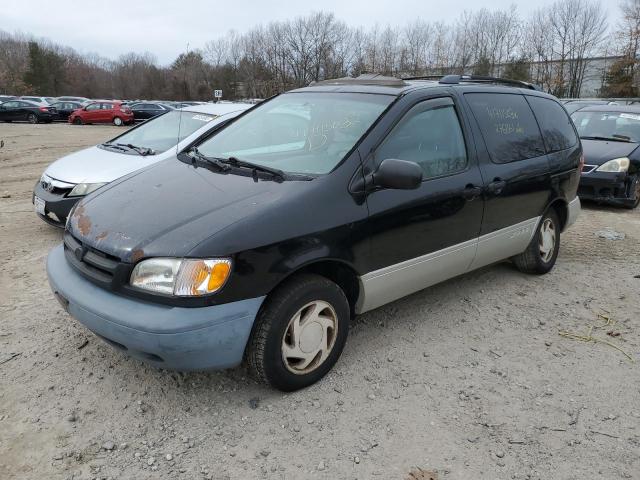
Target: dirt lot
[(470, 378)]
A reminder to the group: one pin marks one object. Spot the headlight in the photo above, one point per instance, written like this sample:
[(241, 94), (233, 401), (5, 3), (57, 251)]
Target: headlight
[(82, 189), (181, 277), (615, 165)]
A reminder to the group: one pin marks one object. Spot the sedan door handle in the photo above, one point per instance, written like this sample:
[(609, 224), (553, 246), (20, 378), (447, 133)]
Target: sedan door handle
[(496, 186), (471, 191)]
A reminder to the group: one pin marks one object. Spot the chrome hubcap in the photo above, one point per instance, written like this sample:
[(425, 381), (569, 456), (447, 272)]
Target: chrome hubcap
[(547, 240), (117, 121), (309, 337)]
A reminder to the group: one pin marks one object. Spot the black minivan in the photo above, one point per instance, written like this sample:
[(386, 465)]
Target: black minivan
[(261, 242)]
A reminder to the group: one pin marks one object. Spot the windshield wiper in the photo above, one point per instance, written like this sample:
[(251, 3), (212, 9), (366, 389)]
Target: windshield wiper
[(126, 147), (113, 145), (141, 150), (236, 162), (615, 138), (197, 155)]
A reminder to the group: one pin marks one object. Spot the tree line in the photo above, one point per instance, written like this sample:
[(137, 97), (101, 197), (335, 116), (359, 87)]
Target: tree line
[(552, 48)]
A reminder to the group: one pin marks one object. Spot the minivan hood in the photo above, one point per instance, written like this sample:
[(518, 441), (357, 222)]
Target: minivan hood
[(597, 152), (97, 165), (168, 209)]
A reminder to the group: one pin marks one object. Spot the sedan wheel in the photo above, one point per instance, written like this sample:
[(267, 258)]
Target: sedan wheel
[(32, 118), (117, 121), (77, 121), (634, 190)]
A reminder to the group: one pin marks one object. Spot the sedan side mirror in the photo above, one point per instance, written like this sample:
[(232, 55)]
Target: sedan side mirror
[(398, 174)]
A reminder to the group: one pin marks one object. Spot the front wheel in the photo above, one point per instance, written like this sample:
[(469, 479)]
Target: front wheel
[(32, 118), (117, 121), (77, 121), (299, 333), (634, 193), (541, 254)]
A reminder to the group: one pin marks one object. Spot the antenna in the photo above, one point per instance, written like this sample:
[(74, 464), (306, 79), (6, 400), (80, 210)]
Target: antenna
[(184, 83)]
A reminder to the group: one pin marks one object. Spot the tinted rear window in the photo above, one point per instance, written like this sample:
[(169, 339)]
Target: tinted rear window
[(508, 126), (557, 128)]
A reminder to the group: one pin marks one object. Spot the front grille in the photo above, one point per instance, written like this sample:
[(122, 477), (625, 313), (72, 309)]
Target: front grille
[(99, 267)]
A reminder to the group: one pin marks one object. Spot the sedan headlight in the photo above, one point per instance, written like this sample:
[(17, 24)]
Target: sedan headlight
[(615, 165), (181, 277), (82, 189)]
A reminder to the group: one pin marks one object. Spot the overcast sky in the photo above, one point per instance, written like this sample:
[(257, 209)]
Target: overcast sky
[(164, 27)]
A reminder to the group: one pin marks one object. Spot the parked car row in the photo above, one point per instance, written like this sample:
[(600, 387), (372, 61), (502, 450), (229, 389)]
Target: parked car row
[(259, 237)]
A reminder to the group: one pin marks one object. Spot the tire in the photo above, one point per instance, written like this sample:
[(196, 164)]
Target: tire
[(634, 194), (273, 333), (32, 118), (534, 259), (117, 121), (77, 121)]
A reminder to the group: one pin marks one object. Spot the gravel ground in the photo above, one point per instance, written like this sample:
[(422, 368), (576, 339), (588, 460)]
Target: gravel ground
[(469, 379)]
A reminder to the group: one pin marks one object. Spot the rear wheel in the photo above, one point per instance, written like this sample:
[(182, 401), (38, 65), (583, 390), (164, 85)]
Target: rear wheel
[(299, 333), (32, 118), (541, 254), (77, 121), (117, 121)]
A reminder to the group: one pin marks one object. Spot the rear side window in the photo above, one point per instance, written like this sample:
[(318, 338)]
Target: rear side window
[(508, 126), (556, 126)]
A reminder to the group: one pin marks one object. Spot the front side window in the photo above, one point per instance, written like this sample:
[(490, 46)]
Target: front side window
[(93, 106), (557, 128), (165, 131), (429, 135), (616, 126), (304, 132), (508, 126)]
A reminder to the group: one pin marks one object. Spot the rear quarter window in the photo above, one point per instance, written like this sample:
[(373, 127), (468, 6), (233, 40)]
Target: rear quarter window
[(557, 129), (508, 126)]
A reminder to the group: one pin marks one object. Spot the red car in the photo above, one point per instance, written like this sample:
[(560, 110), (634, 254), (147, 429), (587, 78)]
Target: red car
[(102, 112)]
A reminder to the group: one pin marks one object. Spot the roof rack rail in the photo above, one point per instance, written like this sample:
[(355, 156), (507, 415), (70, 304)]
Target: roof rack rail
[(364, 79), (457, 79)]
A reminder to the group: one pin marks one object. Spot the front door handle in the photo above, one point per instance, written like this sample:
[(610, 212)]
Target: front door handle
[(471, 191), (496, 186)]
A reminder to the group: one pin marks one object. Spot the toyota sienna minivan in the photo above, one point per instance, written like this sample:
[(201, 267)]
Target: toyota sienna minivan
[(263, 241)]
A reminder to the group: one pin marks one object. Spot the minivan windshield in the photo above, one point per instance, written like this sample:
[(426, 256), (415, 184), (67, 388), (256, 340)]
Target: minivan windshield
[(299, 132), (617, 126), (161, 133)]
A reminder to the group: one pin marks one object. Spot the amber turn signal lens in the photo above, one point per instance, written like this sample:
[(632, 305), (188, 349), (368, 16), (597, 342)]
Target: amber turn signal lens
[(201, 277), (219, 274)]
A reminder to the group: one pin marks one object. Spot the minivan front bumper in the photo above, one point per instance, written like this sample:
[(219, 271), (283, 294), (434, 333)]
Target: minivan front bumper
[(169, 337)]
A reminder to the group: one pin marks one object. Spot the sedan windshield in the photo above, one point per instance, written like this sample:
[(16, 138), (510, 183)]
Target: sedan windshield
[(299, 132), (165, 131), (619, 126)]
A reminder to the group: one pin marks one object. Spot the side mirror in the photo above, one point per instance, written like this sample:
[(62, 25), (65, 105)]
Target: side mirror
[(398, 174)]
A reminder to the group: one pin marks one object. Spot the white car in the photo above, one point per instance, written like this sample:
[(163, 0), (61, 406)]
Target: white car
[(70, 178)]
